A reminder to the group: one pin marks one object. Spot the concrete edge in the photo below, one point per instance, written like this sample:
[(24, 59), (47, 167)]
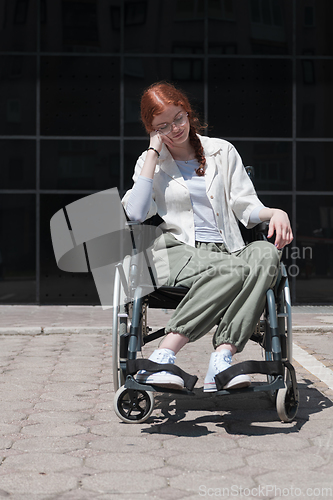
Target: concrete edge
[(53, 330), (313, 328), (22, 330)]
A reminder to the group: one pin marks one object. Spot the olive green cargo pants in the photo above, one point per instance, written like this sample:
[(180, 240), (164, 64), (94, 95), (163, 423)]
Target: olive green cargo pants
[(225, 289)]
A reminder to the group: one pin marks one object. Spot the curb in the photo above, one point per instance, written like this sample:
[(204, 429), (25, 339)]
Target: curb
[(93, 330), (22, 330), (313, 328)]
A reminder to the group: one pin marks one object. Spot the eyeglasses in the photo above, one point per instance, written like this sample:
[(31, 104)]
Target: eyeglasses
[(166, 128)]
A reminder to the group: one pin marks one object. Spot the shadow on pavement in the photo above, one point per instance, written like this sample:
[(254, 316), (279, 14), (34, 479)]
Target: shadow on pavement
[(251, 414)]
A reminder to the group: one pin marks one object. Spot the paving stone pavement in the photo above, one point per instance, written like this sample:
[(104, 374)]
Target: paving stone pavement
[(60, 438)]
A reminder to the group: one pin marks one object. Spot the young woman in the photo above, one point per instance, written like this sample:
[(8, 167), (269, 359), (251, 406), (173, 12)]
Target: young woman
[(201, 190)]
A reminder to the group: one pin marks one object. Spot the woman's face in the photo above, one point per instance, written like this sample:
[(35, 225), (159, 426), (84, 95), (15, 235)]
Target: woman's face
[(173, 123)]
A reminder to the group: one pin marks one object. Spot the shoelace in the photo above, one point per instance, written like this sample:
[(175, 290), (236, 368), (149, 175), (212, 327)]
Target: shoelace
[(220, 362), (164, 357)]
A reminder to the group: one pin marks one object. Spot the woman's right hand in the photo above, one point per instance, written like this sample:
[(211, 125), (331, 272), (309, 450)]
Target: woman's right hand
[(156, 142), (157, 139)]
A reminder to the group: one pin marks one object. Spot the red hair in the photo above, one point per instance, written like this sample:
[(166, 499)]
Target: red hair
[(156, 98)]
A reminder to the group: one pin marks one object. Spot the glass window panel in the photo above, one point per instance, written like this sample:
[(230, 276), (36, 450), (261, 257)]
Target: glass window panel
[(222, 10), (155, 70), (314, 27), (284, 202), (255, 11), (18, 95), (272, 162), (133, 150), (175, 25), (18, 164), (277, 12), (309, 16), (314, 166), (250, 26), (18, 21), (315, 241), (250, 97), (56, 286), (76, 164), (315, 98), (190, 69), (17, 248), (79, 96), (266, 13), (80, 26)]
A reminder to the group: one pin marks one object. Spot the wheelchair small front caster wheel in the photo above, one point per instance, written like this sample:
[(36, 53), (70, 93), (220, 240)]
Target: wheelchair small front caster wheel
[(132, 406), (287, 403)]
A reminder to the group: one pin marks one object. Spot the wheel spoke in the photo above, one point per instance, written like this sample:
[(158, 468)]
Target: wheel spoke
[(129, 412)]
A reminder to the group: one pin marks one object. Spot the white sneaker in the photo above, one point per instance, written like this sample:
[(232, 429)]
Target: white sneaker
[(220, 361), (162, 379)]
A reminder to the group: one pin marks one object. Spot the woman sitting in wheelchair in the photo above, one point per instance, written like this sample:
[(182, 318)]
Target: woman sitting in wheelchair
[(199, 187)]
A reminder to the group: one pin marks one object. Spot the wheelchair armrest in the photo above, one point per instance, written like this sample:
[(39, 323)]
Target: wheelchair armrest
[(281, 281), (155, 220), (131, 223), (250, 172), (261, 231)]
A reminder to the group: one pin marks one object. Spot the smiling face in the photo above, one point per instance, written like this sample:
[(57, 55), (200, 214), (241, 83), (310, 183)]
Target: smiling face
[(175, 115)]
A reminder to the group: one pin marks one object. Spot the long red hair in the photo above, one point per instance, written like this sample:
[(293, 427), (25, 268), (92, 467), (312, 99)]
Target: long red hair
[(154, 101)]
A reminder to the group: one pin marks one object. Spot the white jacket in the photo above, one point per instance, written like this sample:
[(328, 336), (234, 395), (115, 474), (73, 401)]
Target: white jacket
[(228, 187)]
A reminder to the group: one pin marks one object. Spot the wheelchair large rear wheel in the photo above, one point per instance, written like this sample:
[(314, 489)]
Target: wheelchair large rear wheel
[(287, 399), (120, 328), (268, 324), (283, 321)]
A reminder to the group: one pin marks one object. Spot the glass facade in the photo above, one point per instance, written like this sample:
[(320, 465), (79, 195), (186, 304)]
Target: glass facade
[(259, 72)]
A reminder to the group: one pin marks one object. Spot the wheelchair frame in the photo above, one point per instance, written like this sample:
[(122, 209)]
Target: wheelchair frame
[(134, 402)]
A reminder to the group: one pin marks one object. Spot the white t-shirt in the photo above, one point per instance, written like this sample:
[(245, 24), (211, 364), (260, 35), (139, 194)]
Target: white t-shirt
[(204, 218)]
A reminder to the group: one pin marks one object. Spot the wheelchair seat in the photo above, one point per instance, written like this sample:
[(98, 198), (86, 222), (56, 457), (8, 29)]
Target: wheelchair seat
[(166, 297)]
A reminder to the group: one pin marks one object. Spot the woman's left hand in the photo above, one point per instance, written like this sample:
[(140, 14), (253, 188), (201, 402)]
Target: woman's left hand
[(280, 224)]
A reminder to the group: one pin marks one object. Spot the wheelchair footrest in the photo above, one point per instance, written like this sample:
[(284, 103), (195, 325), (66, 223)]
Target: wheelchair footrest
[(274, 368), (134, 365), (131, 383), (278, 383)]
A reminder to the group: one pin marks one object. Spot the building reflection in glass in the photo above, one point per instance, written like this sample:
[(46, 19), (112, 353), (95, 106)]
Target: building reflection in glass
[(71, 75)]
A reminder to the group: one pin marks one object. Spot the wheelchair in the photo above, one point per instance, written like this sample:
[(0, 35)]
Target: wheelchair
[(133, 401), (86, 239)]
